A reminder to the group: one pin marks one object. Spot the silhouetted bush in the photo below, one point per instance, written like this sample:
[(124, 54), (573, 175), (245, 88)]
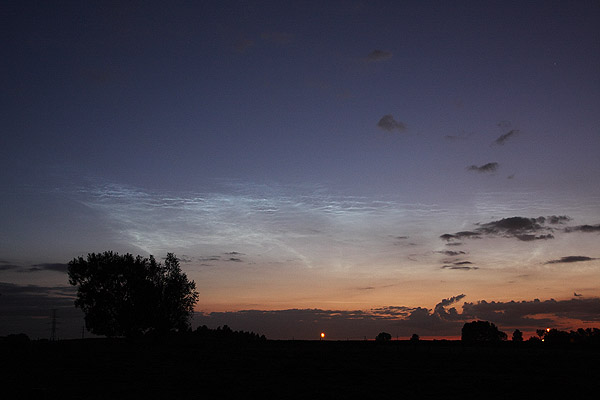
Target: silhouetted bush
[(383, 337), (16, 339), (414, 338)]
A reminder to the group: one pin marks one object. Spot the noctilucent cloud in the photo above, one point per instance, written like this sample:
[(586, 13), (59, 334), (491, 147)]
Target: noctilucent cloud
[(339, 166)]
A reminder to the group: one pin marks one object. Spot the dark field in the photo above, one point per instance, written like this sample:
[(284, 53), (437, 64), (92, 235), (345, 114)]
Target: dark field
[(104, 369)]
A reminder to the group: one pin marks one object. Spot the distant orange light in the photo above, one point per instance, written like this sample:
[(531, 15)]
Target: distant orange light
[(547, 329), (322, 335)]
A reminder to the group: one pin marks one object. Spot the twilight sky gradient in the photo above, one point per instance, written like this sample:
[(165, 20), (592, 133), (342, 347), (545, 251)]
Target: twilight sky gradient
[(350, 166)]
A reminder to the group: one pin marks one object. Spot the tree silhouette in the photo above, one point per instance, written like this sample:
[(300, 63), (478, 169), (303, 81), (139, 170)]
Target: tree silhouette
[(126, 296), (517, 336), (383, 337), (414, 338), (541, 333), (481, 331)]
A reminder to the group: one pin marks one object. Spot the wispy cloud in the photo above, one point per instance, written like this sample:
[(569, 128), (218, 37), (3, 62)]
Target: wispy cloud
[(489, 167), (389, 124), (301, 224), (57, 267)]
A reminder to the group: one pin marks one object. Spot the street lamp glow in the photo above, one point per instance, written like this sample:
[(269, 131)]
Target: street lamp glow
[(322, 335)]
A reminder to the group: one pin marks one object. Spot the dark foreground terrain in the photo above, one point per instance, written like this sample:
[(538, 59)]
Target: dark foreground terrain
[(109, 369)]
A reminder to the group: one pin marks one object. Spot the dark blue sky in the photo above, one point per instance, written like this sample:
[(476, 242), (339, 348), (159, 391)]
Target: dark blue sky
[(329, 142)]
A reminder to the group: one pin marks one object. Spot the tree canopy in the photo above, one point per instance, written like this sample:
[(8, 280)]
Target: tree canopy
[(383, 337), (481, 331), (122, 295)]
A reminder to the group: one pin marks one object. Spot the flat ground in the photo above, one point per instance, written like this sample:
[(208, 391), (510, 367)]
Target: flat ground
[(109, 369)]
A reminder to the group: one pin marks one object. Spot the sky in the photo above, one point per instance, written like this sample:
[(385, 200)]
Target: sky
[(343, 166)]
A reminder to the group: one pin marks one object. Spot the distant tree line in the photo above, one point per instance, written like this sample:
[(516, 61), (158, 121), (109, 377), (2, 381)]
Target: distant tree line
[(555, 336), (484, 331), (226, 333)]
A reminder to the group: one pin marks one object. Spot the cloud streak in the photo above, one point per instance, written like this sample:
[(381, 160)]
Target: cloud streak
[(570, 259), (500, 141)]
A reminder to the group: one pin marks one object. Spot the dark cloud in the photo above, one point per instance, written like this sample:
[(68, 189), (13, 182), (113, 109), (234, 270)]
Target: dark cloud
[(389, 124), (534, 314), (341, 324), (513, 225), (503, 138), (529, 238), (460, 235), (459, 267), (6, 267), (449, 301), (451, 253), (584, 228), (489, 167), (33, 300), (234, 253), (524, 229), (570, 259), (209, 258), (389, 311), (235, 259), (379, 55), (558, 219), (28, 309)]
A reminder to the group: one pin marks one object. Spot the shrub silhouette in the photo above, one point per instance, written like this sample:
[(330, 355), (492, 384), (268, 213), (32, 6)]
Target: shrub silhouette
[(126, 296), (481, 331)]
